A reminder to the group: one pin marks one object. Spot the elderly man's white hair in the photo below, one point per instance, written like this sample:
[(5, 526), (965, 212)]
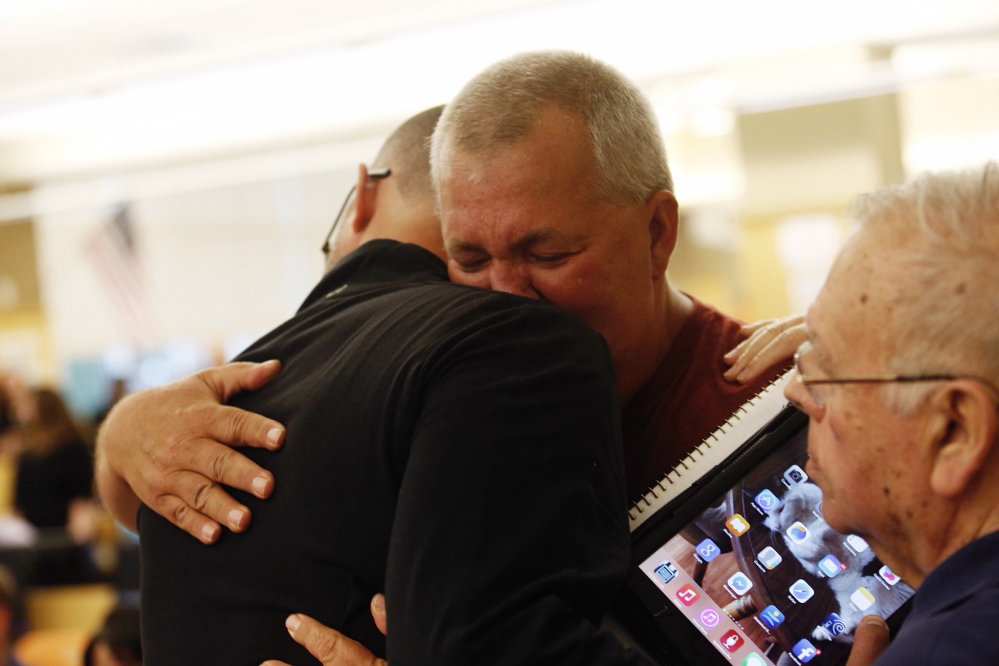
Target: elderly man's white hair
[(947, 321), (499, 106)]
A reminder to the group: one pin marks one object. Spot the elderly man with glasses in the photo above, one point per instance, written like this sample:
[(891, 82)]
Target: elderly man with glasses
[(898, 378)]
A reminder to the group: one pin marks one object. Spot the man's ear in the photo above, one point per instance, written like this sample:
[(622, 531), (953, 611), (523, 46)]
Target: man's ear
[(662, 214), (364, 201), (965, 420)]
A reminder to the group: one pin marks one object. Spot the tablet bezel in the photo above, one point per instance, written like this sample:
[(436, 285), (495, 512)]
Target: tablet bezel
[(660, 625)]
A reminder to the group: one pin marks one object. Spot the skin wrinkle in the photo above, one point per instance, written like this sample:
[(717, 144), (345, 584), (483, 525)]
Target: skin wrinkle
[(533, 227), (906, 524), (925, 487), (854, 474)]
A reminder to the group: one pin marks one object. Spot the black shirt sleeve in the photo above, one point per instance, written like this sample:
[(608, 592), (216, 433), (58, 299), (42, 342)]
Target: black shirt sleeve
[(510, 536)]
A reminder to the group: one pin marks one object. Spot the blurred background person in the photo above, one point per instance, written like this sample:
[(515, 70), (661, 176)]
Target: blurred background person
[(118, 642), (6, 420), (53, 486)]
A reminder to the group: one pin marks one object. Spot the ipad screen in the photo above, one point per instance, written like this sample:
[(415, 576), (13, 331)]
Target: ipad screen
[(763, 577)]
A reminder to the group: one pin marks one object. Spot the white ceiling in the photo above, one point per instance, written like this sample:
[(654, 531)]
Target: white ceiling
[(91, 85)]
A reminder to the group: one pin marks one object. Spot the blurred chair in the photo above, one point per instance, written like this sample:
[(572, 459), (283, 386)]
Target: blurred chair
[(52, 647), (69, 606)]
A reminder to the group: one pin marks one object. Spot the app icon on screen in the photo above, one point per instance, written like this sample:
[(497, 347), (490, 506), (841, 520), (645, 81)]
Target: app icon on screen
[(708, 550), (687, 594), (863, 598), (801, 591), (739, 583), (709, 617), (857, 543), (770, 558), (766, 500), (771, 617), (798, 531), (831, 566), (804, 650), (834, 624), (731, 640), (795, 475), (737, 525), (890, 576), (666, 572), (754, 659)]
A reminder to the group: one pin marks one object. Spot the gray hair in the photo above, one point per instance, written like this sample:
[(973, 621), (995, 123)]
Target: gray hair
[(499, 106), (947, 322)]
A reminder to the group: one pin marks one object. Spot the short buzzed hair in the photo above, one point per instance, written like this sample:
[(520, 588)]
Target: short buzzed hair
[(947, 320), (407, 152), (499, 106)]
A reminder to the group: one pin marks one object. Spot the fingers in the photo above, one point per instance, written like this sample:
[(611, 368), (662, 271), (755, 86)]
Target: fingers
[(180, 513), (169, 448), (232, 378), (328, 645), (192, 500), (218, 463), (237, 427), (869, 641), (769, 343), (199, 501), (378, 613), (758, 335), (752, 327)]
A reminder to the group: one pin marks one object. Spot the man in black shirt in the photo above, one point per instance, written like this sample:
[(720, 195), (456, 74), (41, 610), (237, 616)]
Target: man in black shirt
[(460, 450)]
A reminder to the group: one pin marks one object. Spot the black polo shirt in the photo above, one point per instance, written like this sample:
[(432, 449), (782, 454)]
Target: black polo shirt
[(456, 448)]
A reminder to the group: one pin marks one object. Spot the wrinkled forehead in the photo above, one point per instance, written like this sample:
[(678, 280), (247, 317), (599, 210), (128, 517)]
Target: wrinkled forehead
[(525, 186), (858, 303)]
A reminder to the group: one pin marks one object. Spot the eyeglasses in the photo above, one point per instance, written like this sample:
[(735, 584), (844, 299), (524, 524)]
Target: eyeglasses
[(816, 396), (373, 174)]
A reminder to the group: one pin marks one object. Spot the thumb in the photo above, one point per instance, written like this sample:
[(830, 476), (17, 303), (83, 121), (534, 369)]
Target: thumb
[(328, 645), (227, 380), (869, 641), (379, 614)]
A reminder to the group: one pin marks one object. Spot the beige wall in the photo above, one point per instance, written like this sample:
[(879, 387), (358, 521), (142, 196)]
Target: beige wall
[(229, 248)]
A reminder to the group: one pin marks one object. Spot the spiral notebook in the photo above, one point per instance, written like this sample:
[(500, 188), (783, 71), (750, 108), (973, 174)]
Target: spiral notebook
[(733, 562), (740, 428)]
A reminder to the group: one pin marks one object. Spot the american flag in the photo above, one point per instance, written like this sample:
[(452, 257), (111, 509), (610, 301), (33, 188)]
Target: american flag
[(112, 251)]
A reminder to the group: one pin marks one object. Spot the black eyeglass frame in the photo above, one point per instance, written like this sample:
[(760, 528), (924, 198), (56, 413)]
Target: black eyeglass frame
[(373, 174), (806, 381)]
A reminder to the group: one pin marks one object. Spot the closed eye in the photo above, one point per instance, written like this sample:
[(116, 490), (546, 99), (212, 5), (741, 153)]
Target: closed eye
[(471, 265), (553, 258)]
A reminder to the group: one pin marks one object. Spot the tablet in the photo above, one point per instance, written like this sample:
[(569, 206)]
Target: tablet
[(741, 568)]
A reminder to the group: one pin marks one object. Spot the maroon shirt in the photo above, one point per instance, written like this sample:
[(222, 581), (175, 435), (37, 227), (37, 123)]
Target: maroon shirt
[(686, 399)]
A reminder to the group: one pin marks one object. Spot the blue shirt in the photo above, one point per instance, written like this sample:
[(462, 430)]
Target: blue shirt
[(955, 613)]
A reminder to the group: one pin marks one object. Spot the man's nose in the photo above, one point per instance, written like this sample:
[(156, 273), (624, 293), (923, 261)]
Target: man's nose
[(513, 279), (797, 394)]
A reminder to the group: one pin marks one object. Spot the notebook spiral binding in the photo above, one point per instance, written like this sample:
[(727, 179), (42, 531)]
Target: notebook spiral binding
[(716, 447)]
